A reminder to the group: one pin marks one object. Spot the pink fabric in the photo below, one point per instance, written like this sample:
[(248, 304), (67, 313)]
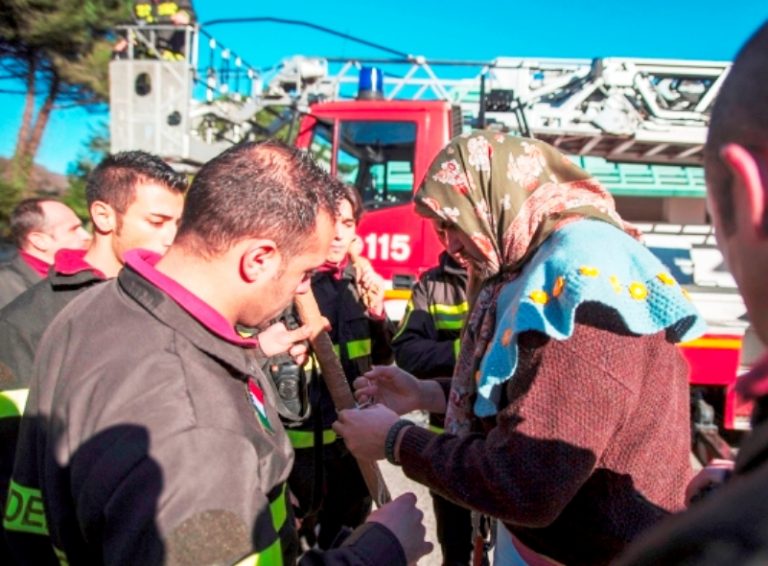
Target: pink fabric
[(336, 270), (754, 383), (70, 262), (143, 262), (38, 265)]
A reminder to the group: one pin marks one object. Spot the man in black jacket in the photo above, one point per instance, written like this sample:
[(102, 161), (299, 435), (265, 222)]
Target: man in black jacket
[(39, 228), (134, 200), (326, 479), (730, 524), (426, 345), (150, 434)]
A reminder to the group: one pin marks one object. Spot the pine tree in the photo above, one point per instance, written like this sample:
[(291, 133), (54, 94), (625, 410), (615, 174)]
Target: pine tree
[(60, 51)]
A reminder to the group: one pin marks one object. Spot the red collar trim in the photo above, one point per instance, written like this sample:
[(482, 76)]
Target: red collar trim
[(143, 262), (335, 270), (754, 383), (38, 265), (72, 262)]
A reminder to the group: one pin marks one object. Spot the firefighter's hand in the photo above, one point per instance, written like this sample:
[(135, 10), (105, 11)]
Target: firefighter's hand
[(365, 430), (391, 386), (371, 287), (277, 339), (710, 477), (406, 522)]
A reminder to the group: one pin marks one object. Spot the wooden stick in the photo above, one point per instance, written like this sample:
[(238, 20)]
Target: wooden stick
[(336, 380)]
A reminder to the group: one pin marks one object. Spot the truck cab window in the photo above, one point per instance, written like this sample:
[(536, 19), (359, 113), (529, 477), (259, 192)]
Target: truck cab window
[(374, 156)]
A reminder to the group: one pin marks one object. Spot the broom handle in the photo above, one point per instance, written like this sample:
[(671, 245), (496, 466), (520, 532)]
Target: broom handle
[(336, 381)]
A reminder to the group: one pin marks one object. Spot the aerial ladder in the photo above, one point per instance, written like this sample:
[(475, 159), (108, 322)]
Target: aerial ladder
[(638, 125)]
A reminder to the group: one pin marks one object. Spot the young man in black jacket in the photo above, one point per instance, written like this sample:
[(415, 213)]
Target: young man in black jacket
[(326, 479)]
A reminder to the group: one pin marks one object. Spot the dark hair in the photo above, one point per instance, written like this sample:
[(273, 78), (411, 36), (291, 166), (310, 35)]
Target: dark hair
[(265, 189), (27, 216), (349, 193), (740, 115), (114, 180)]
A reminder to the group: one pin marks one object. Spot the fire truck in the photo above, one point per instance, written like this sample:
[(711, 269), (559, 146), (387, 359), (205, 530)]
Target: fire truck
[(638, 125)]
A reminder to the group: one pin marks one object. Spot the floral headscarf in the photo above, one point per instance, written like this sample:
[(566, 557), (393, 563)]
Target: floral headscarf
[(508, 195)]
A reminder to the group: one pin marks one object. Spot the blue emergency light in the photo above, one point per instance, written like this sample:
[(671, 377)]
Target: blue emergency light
[(370, 84)]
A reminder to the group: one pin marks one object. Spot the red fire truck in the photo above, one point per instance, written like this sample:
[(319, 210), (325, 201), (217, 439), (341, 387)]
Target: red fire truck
[(637, 125)]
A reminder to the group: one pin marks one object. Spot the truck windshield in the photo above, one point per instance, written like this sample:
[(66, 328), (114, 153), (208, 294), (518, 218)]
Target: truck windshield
[(375, 157)]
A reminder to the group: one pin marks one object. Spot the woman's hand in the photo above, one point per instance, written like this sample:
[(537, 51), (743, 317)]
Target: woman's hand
[(390, 386), (365, 430)]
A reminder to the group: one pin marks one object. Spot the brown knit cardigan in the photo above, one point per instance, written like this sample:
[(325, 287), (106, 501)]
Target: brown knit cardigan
[(590, 448)]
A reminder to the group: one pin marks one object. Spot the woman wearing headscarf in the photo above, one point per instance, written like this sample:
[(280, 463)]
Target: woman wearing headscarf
[(567, 417)]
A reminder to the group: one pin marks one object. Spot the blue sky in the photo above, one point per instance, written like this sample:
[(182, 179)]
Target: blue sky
[(449, 29)]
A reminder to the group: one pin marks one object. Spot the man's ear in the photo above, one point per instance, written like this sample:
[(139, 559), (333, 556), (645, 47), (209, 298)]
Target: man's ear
[(260, 258), (39, 240), (750, 169), (103, 216)]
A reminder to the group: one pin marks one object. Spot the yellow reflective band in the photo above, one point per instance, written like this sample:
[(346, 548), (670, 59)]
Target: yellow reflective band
[(404, 322), (24, 511), (461, 308), (449, 324), (273, 554), (336, 349), (306, 438), (143, 11), (397, 294), (436, 429), (456, 348), (167, 9), (358, 348), (279, 510), (61, 556), (12, 402), (449, 317)]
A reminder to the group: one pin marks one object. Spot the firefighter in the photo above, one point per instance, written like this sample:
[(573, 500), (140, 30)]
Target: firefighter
[(326, 479), (169, 42), (150, 434), (426, 345)]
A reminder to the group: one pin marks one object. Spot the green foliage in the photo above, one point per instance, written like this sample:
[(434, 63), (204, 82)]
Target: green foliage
[(60, 49), (96, 148), (10, 194)]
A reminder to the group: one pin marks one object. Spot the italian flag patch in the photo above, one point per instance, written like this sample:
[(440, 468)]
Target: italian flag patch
[(256, 397)]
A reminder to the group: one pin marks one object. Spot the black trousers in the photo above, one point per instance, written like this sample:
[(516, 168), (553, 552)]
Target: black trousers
[(454, 531), (344, 500)]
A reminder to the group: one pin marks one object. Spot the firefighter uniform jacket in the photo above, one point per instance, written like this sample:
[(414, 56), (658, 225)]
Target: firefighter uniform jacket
[(150, 436), (159, 11), (427, 341), (22, 324), (15, 278)]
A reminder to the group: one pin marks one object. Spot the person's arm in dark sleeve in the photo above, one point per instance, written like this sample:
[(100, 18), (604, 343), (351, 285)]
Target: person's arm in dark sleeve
[(545, 444), (417, 348), (370, 543)]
